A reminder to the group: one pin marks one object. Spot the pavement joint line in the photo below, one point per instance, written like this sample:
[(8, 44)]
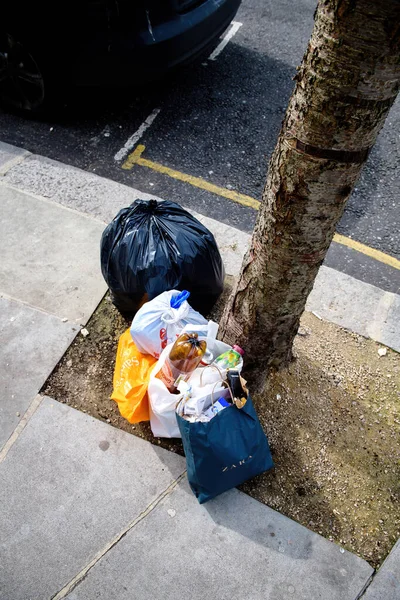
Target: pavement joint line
[(367, 584), (136, 158), (381, 315), (378, 574), (84, 572), (13, 162), (34, 405), (77, 322), (235, 26)]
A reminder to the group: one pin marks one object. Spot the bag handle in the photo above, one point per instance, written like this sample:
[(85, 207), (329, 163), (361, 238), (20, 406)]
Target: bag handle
[(226, 384), (182, 401), (207, 330), (212, 366), (183, 398), (174, 315)]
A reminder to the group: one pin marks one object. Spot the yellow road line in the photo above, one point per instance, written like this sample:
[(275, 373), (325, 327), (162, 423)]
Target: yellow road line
[(372, 252), (135, 158)]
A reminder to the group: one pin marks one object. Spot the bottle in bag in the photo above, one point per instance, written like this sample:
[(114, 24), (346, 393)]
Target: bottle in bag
[(238, 388), (230, 359), (185, 356)]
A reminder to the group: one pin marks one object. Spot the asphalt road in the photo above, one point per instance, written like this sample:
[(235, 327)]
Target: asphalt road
[(219, 121)]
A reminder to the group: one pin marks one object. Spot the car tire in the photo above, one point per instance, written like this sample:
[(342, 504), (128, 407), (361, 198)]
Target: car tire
[(23, 87)]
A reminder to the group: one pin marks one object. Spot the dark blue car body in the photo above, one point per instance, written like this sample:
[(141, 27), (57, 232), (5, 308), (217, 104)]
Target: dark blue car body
[(96, 42)]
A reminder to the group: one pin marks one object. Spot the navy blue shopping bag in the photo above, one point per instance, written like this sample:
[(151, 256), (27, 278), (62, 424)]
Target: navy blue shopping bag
[(224, 452)]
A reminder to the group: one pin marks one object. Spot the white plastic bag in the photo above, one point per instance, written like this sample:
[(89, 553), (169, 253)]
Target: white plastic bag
[(162, 403), (157, 323)]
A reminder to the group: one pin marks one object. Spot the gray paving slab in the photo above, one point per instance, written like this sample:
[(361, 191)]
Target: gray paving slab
[(69, 484), (32, 343), (230, 548), (10, 156), (357, 305), (386, 583), (49, 256)]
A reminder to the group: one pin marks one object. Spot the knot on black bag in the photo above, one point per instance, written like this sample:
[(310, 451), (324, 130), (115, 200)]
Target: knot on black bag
[(147, 206)]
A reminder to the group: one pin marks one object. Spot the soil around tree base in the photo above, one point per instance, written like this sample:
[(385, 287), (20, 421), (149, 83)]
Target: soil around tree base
[(332, 419)]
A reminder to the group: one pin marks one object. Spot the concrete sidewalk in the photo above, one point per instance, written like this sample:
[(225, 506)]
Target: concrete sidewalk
[(90, 511)]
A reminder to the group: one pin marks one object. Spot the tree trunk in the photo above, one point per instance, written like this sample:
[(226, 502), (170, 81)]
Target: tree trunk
[(348, 80)]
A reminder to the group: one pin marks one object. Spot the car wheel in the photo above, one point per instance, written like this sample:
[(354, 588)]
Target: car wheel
[(22, 86)]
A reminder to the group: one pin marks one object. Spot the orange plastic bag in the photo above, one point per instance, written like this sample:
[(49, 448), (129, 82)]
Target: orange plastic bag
[(131, 377)]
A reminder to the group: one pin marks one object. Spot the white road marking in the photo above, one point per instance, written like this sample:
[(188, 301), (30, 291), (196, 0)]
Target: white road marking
[(228, 36), (133, 140)]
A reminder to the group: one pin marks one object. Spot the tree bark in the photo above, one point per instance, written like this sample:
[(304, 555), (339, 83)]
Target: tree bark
[(346, 84)]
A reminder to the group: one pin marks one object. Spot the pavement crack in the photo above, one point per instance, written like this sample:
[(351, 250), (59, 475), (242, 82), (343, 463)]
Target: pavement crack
[(85, 571)]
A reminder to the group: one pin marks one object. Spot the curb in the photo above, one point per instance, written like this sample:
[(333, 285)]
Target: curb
[(336, 297)]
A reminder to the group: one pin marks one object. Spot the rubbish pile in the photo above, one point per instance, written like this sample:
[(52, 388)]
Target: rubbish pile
[(170, 367)]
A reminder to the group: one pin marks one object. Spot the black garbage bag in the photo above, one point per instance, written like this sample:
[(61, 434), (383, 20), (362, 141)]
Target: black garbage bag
[(151, 247)]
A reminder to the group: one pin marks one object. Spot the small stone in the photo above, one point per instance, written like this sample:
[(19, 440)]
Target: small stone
[(171, 512), (278, 397), (342, 550), (303, 331), (64, 320), (382, 351), (84, 332), (18, 414), (108, 420), (69, 363)]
